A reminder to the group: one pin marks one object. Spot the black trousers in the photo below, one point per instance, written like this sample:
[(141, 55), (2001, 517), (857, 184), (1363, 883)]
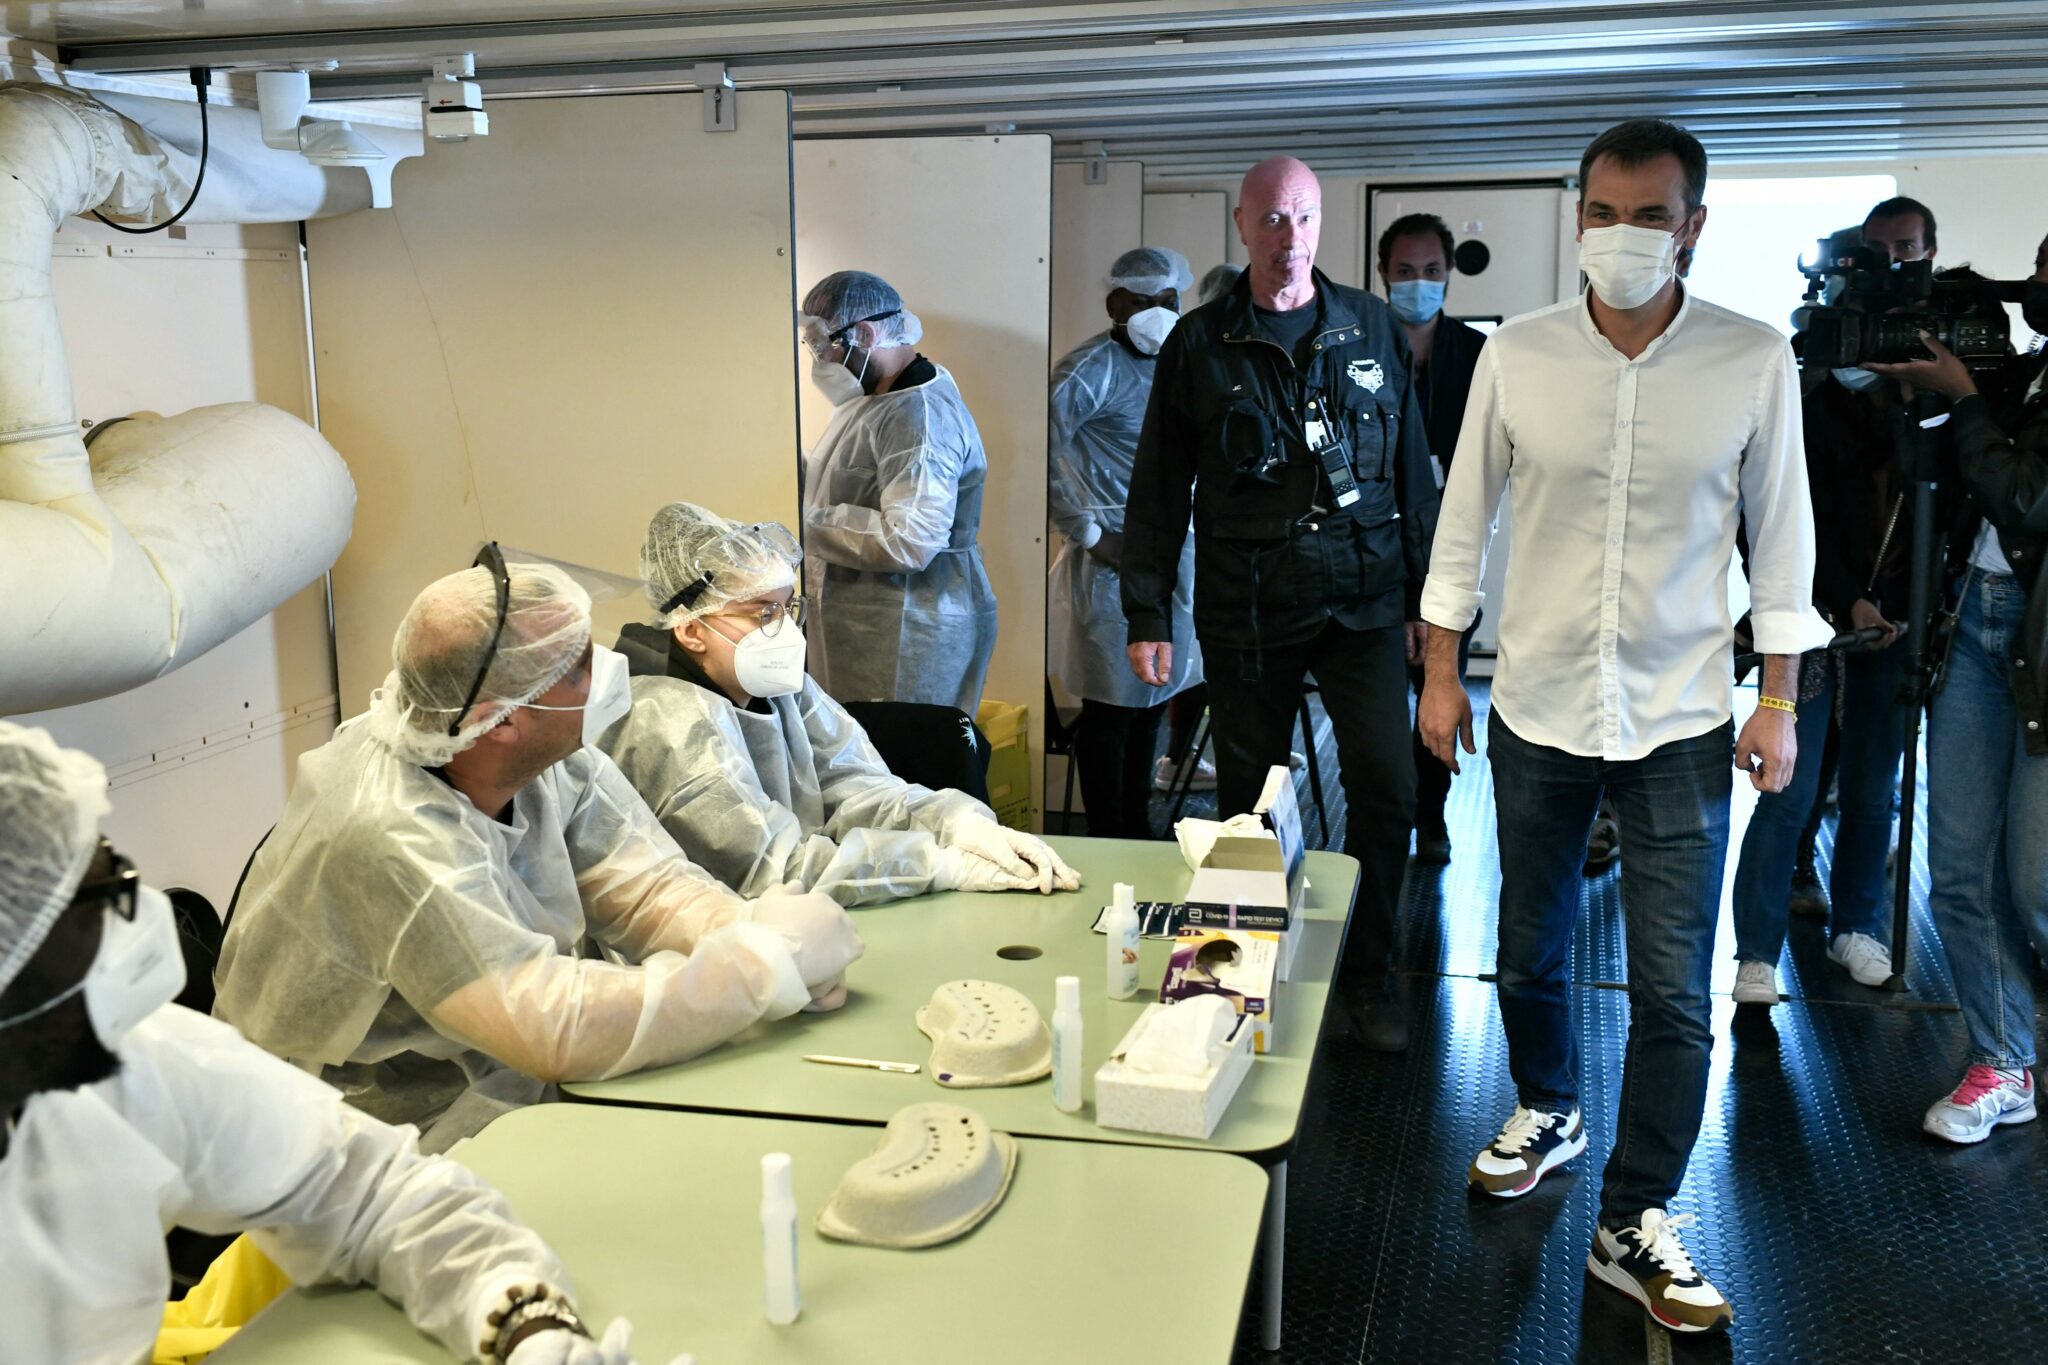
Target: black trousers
[(1432, 777), (1114, 747), (1363, 680)]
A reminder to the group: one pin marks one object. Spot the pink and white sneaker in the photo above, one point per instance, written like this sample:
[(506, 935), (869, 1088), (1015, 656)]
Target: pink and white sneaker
[(1987, 1098)]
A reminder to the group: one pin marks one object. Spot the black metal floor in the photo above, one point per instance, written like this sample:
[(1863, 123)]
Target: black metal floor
[(1836, 1229)]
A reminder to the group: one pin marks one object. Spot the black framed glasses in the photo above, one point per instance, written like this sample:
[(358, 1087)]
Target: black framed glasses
[(110, 881), (493, 558)]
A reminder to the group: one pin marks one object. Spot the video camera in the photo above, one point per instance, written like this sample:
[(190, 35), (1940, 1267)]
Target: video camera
[(1862, 306)]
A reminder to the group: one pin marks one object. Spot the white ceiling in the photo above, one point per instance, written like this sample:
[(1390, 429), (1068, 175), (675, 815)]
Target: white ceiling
[(1193, 88)]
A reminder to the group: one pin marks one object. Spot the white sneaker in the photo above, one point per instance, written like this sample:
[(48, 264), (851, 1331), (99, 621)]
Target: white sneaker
[(1986, 1098), (1649, 1263), (1756, 983), (1866, 959), (1165, 775)]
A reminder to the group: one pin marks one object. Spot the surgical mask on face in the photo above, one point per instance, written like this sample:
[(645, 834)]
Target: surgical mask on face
[(1857, 380), (1626, 265), (1416, 301), (1148, 327), (610, 696), (767, 665), (138, 970)]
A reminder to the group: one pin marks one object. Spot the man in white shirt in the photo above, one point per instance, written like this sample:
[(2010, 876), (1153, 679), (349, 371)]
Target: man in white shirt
[(1630, 429)]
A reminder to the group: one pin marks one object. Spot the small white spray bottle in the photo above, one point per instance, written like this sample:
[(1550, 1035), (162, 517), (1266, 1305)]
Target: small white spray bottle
[(1121, 926), (778, 1239), (1066, 1044)]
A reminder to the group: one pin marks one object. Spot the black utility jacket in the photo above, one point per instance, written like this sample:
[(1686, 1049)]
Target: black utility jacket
[(2004, 466), (1453, 355), (1275, 558)]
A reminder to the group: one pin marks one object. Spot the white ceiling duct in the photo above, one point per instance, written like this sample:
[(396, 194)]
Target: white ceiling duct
[(174, 533)]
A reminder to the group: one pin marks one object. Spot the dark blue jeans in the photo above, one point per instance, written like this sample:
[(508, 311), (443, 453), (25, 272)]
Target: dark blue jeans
[(1873, 734), (1673, 810)]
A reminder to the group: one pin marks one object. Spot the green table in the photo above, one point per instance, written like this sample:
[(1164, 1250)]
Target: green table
[(915, 946), (1091, 1256)]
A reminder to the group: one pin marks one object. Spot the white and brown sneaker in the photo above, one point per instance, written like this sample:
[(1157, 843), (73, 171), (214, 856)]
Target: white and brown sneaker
[(1531, 1146), (1648, 1263)]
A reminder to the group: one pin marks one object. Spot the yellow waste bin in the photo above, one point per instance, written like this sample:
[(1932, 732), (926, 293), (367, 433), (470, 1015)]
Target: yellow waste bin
[(1008, 727)]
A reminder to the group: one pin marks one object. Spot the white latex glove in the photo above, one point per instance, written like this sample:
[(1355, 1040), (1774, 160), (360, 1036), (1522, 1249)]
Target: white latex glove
[(820, 935), (1050, 870), (567, 1348), (959, 870), (828, 997), (989, 841)]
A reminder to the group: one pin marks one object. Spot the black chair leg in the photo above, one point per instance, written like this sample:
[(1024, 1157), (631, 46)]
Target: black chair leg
[(1067, 802), (1184, 777), (1315, 772)]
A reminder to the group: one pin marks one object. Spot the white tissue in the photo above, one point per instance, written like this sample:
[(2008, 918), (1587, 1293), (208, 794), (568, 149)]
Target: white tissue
[(1184, 1039), (1197, 837)]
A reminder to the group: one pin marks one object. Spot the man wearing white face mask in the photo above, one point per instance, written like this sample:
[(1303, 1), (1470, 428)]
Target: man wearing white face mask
[(1415, 255), (1099, 393), (412, 924), (123, 1115), (892, 508), (762, 778), (1630, 427)]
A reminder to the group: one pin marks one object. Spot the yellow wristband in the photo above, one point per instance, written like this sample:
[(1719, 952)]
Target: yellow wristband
[(1779, 704)]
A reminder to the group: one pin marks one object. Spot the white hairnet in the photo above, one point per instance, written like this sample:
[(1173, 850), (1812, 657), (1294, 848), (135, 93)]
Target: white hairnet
[(446, 637), (851, 296), (1150, 270), (1218, 281), (51, 801), (697, 562)]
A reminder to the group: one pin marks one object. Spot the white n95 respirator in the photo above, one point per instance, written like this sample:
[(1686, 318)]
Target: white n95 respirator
[(1148, 327)]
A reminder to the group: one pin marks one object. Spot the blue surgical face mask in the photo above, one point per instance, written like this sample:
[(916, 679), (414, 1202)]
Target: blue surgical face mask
[(1416, 301)]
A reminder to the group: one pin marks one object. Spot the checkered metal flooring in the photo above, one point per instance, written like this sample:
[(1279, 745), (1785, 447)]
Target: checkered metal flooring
[(1836, 1229)]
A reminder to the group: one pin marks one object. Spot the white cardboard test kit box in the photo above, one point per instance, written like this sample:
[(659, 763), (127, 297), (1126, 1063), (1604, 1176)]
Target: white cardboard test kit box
[(1171, 1106), (1256, 882)]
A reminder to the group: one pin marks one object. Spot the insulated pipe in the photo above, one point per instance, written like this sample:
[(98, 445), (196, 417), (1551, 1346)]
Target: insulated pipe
[(176, 532)]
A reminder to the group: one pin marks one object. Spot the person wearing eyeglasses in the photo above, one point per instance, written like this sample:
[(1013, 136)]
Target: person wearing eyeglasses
[(762, 778), (411, 927), (892, 508), (123, 1115)]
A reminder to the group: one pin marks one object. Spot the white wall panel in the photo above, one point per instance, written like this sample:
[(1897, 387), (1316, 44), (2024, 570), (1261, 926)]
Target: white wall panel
[(1091, 226), (555, 330), (963, 228)]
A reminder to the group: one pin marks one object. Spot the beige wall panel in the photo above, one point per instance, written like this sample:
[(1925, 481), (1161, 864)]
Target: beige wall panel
[(1196, 223), (200, 759), (1092, 225), (963, 228), (556, 329)]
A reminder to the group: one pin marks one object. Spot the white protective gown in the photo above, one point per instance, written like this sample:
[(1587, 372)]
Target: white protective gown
[(421, 954), (902, 608), (1099, 393), (200, 1129), (790, 793)]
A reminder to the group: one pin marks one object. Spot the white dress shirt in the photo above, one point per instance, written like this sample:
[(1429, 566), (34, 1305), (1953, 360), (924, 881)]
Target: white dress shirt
[(1625, 479)]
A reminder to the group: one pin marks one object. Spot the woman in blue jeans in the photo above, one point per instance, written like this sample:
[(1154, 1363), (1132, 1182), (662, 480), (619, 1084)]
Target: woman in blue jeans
[(1860, 535), (1987, 745)]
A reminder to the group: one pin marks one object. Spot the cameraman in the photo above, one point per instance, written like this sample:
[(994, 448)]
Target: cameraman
[(1862, 528), (1987, 743)]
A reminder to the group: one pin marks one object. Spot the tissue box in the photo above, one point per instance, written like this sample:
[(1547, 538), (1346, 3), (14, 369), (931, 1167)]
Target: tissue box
[(1242, 964), (1172, 1106)]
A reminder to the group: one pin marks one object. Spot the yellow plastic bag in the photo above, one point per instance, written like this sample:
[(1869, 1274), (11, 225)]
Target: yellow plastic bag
[(236, 1287)]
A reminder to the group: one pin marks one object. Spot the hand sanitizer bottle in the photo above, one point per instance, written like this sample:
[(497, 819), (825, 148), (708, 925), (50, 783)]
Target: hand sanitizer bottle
[(1121, 926)]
